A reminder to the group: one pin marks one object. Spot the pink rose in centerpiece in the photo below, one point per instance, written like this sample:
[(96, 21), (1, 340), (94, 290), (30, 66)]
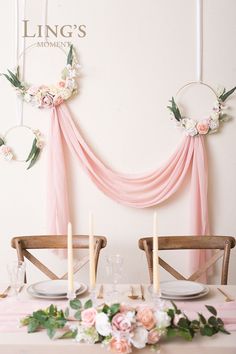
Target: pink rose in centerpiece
[(146, 317), (126, 308), (203, 127), (46, 101), (120, 322), (88, 317), (153, 336), (119, 345)]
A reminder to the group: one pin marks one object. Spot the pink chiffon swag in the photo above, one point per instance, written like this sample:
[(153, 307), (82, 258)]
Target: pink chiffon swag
[(138, 191)]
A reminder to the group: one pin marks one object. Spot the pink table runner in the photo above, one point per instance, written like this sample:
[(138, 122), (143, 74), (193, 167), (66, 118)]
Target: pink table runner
[(12, 310)]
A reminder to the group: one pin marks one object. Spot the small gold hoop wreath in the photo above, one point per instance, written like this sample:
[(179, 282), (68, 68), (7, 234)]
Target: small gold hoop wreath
[(48, 96), (207, 126), (7, 150)]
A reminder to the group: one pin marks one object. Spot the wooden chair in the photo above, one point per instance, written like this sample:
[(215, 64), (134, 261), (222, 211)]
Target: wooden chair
[(23, 243), (221, 243)]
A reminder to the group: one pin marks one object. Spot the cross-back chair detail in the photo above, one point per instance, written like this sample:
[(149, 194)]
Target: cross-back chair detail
[(222, 244), (24, 243)]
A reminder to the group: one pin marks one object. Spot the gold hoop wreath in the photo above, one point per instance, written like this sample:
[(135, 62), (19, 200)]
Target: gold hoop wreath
[(42, 96), (48, 96), (209, 125), (8, 152)]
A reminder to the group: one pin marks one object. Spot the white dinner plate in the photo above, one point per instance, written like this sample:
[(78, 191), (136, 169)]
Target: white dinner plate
[(181, 288), (187, 297), (53, 287), (30, 290)]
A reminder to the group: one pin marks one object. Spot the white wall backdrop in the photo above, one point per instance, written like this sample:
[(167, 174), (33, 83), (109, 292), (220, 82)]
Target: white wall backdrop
[(135, 56)]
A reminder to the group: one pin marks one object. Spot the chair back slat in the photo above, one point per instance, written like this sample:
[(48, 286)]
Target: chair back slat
[(221, 243), (206, 265), (80, 264), (39, 265), (171, 270), (24, 243)]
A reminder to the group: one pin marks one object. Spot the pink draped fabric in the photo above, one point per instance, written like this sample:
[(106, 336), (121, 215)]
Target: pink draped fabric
[(139, 191), (57, 193)]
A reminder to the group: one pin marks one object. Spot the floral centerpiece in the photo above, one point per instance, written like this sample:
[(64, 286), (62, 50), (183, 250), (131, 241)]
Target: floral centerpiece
[(120, 327)]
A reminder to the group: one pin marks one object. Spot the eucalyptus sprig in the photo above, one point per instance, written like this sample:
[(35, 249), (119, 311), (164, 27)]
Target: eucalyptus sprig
[(34, 154), (70, 55), (175, 110), (225, 94), (14, 79), (187, 328), (50, 319)]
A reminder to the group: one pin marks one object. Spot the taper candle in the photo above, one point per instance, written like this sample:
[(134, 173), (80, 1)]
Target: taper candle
[(92, 276), (70, 259), (156, 277)]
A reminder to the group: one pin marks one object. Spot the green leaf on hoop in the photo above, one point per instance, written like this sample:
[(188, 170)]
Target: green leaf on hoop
[(35, 158), (1, 142), (175, 109), (223, 97), (70, 55), (14, 78), (33, 150)]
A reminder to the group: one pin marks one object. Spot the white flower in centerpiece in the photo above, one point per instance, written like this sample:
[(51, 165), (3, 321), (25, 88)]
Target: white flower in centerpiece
[(140, 337), (87, 335), (102, 324), (162, 318)]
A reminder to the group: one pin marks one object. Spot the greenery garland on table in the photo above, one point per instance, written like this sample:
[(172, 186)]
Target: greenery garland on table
[(207, 126), (120, 327), (48, 96)]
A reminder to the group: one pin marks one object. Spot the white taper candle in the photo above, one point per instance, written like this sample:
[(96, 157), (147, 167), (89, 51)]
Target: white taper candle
[(92, 275), (156, 277), (70, 259)]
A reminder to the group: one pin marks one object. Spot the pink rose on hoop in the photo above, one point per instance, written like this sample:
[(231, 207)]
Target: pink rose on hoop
[(46, 101), (203, 127), (6, 152), (88, 317), (33, 90), (57, 100)]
